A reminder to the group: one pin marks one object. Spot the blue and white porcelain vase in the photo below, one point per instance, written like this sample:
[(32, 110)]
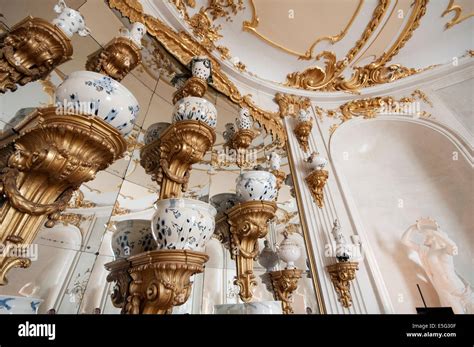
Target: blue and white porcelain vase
[(256, 185), (132, 237), (154, 131), (95, 94), (195, 108), (244, 121), (183, 224), (201, 67), (69, 21), (19, 305)]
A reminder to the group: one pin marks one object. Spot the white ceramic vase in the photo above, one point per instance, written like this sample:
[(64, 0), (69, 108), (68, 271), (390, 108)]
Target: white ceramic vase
[(289, 251), (92, 93), (183, 224), (195, 108), (244, 121), (135, 34), (132, 237), (316, 161), (201, 67), (19, 305), (69, 21), (256, 185), (154, 131)]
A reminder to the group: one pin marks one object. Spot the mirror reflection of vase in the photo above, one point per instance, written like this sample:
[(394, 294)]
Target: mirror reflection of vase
[(19, 305), (268, 258), (132, 237)]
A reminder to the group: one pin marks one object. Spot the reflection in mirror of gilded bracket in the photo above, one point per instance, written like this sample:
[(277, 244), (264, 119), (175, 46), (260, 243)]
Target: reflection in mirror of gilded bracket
[(290, 104), (284, 283), (252, 25), (316, 182), (341, 276), (183, 47), (458, 18)]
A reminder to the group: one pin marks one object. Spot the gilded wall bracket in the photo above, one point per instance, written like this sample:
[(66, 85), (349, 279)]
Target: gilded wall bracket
[(30, 51), (342, 274), (116, 59), (316, 182), (284, 283), (54, 154), (161, 280), (248, 222)]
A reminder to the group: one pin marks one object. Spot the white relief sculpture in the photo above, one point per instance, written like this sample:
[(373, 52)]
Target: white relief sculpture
[(436, 256)]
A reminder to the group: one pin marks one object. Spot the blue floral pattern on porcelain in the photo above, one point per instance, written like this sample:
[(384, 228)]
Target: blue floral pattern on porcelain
[(132, 237), (183, 224), (194, 108), (19, 305), (256, 185)]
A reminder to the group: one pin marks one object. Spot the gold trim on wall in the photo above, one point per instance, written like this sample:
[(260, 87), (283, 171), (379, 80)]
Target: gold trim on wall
[(184, 47), (251, 26), (458, 17)]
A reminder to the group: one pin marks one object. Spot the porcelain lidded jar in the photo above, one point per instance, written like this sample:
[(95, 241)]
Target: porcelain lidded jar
[(244, 121), (195, 108), (154, 131), (91, 93), (132, 237), (10, 304), (201, 67), (256, 185), (183, 224), (135, 34), (316, 161), (69, 21), (289, 251), (304, 116)]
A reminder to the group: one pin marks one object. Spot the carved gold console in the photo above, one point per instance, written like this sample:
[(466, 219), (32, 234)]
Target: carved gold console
[(284, 283), (248, 222), (54, 154), (161, 280), (341, 276), (316, 182), (302, 132), (118, 273), (30, 51), (168, 160), (116, 59)]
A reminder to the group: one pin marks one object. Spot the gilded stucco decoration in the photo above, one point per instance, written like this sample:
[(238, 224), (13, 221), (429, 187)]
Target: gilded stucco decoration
[(252, 27), (458, 14), (184, 47), (378, 72), (368, 108)]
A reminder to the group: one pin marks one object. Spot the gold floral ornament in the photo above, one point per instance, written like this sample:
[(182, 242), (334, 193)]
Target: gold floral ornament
[(54, 154), (314, 77), (458, 15), (342, 274), (284, 284)]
